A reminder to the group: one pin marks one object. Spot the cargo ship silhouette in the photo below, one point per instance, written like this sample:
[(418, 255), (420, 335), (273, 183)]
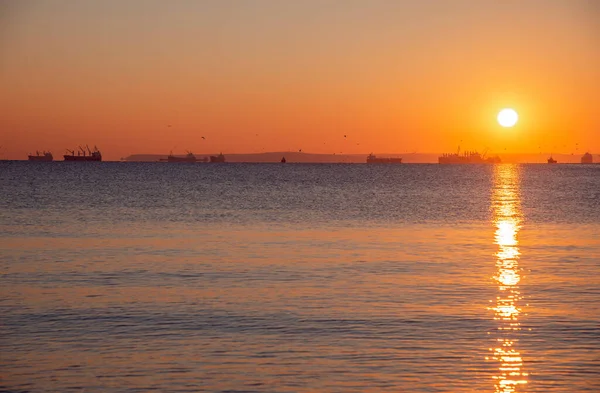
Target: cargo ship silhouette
[(84, 155), (189, 157), (219, 158), (44, 156), (468, 157), (373, 159)]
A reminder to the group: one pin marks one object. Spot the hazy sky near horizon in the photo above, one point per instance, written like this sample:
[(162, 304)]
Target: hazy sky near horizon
[(149, 76)]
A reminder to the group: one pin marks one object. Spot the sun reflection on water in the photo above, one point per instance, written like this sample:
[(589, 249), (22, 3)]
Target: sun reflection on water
[(507, 218)]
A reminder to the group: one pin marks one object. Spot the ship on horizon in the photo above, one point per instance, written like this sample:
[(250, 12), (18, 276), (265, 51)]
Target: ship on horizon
[(373, 159), (587, 158), (189, 157), (467, 157), (84, 155), (217, 159), (551, 160), (44, 156)]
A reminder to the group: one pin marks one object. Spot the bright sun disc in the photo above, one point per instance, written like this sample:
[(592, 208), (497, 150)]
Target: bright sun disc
[(507, 117)]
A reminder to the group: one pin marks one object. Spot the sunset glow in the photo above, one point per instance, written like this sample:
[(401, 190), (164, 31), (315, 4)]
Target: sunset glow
[(300, 196), (251, 77)]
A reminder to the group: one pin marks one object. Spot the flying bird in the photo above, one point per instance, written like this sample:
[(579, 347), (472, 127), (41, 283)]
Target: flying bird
[(203, 138)]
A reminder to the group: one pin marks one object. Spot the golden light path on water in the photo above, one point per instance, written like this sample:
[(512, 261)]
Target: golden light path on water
[(507, 218)]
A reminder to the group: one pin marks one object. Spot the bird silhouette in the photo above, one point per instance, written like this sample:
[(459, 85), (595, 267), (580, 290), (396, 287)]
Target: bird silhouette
[(203, 138)]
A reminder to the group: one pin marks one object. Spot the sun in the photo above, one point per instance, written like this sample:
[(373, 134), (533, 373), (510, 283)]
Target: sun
[(507, 117)]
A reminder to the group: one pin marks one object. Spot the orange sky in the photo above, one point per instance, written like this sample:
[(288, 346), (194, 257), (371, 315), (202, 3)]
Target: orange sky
[(252, 76)]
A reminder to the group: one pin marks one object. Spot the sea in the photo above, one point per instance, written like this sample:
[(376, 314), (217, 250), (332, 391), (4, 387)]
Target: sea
[(136, 277)]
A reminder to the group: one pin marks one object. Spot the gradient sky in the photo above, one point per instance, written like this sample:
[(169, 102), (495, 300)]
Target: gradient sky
[(394, 76)]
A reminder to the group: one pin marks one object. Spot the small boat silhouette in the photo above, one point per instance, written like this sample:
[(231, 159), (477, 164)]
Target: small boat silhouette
[(587, 158)]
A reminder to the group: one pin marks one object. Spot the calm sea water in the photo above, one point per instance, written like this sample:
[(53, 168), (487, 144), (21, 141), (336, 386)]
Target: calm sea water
[(124, 277)]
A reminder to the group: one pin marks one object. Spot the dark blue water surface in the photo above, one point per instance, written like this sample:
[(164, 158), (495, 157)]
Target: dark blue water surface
[(126, 277)]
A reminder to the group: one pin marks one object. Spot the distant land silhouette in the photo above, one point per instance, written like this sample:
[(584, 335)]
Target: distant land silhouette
[(290, 157), (408, 158)]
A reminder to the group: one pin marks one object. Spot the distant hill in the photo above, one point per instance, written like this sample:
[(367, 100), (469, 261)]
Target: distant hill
[(297, 157), (292, 157)]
